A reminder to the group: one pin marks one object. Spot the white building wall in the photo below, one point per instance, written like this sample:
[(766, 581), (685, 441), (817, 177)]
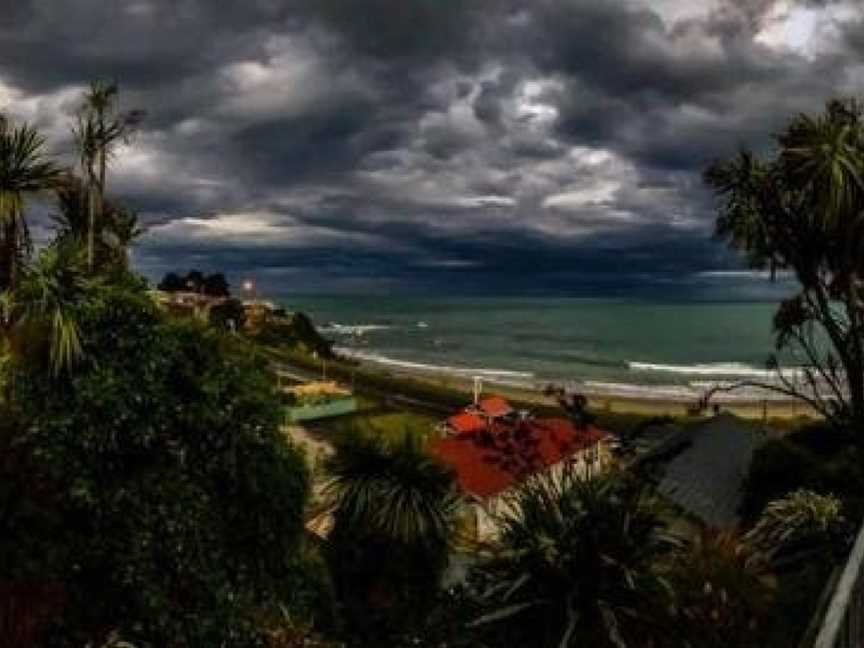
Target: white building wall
[(586, 463)]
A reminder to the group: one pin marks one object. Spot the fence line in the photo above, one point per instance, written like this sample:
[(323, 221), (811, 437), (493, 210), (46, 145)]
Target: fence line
[(843, 623)]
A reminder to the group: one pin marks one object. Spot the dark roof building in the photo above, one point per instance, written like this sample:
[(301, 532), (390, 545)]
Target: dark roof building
[(706, 478)]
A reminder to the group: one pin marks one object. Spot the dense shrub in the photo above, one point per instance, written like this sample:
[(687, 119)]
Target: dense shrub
[(214, 285), (393, 509), (821, 439), (229, 315), (295, 332), (805, 460), (576, 565), (778, 468), (721, 597), (153, 483)]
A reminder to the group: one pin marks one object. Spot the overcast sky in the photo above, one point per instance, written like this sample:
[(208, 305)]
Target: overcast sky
[(435, 145)]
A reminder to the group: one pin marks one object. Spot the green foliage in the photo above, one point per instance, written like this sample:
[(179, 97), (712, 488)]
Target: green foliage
[(803, 211), (159, 463), (778, 467), (393, 508), (803, 522), (782, 466), (172, 282), (115, 228), (40, 314), (797, 597), (374, 420), (294, 332), (145, 489), (99, 130), (720, 596), (228, 316), (577, 565), (24, 170), (392, 489), (214, 285)]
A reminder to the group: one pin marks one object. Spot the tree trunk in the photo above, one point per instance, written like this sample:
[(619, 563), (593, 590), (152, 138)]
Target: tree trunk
[(101, 154), (845, 346), (102, 172), (91, 229), (103, 164), (856, 400), (10, 243), (855, 368)]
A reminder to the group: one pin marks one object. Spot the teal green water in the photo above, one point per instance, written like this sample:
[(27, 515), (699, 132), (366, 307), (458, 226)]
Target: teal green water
[(635, 345)]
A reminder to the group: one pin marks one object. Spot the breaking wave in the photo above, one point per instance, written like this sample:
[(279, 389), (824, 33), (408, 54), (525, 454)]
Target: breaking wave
[(504, 376), (353, 329), (719, 369)]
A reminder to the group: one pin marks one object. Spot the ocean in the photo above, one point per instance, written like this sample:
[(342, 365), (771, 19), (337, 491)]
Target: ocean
[(620, 347)]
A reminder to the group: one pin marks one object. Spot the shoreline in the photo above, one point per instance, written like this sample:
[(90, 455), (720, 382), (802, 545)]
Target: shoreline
[(748, 407)]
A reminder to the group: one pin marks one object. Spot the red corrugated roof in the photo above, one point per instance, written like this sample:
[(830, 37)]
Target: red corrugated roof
[(495, 406), (466, 422), (488, 464)]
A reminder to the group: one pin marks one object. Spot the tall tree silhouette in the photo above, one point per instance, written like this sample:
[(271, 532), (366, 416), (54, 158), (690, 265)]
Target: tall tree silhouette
[(99, 129)]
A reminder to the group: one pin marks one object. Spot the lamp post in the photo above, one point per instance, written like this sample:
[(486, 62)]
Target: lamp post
[(249, 288)]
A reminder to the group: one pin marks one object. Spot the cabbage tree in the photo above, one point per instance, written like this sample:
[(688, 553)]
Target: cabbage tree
[(801, 210), (25, 171)]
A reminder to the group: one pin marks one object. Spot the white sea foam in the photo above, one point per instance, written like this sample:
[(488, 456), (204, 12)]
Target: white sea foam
[(719, 369), (504, 376), (689, 393), (685, 393), (748, 393), (675, 392), (353, 329)]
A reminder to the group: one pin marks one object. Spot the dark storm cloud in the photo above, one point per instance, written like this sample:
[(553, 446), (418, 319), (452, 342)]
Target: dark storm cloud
[(396, 31), (549, 145)]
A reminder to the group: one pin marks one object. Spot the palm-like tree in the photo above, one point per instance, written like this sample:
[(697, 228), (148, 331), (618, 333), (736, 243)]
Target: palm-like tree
[(42, 311), (721, 594), (99, 129), (803, 211), (577, 565), (800, 526), (87, 141), (823, 154), (25, 170), (124, 229), (393, 508), (392, 488), (113, 233)]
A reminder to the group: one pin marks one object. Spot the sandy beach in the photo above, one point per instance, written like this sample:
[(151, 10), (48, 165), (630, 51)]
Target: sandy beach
[(772, 407)]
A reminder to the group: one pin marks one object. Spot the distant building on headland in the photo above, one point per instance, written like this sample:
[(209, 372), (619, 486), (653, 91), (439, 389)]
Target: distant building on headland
[(186, 299), (198, 303), (492, 447)]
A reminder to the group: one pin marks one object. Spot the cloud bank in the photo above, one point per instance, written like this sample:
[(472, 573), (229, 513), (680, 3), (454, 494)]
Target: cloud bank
[(481, 145)]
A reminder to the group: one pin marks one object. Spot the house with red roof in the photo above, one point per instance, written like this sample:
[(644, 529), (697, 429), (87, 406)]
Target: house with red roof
[(465, 423), (495, 407), (478, 417), (491, 447)]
